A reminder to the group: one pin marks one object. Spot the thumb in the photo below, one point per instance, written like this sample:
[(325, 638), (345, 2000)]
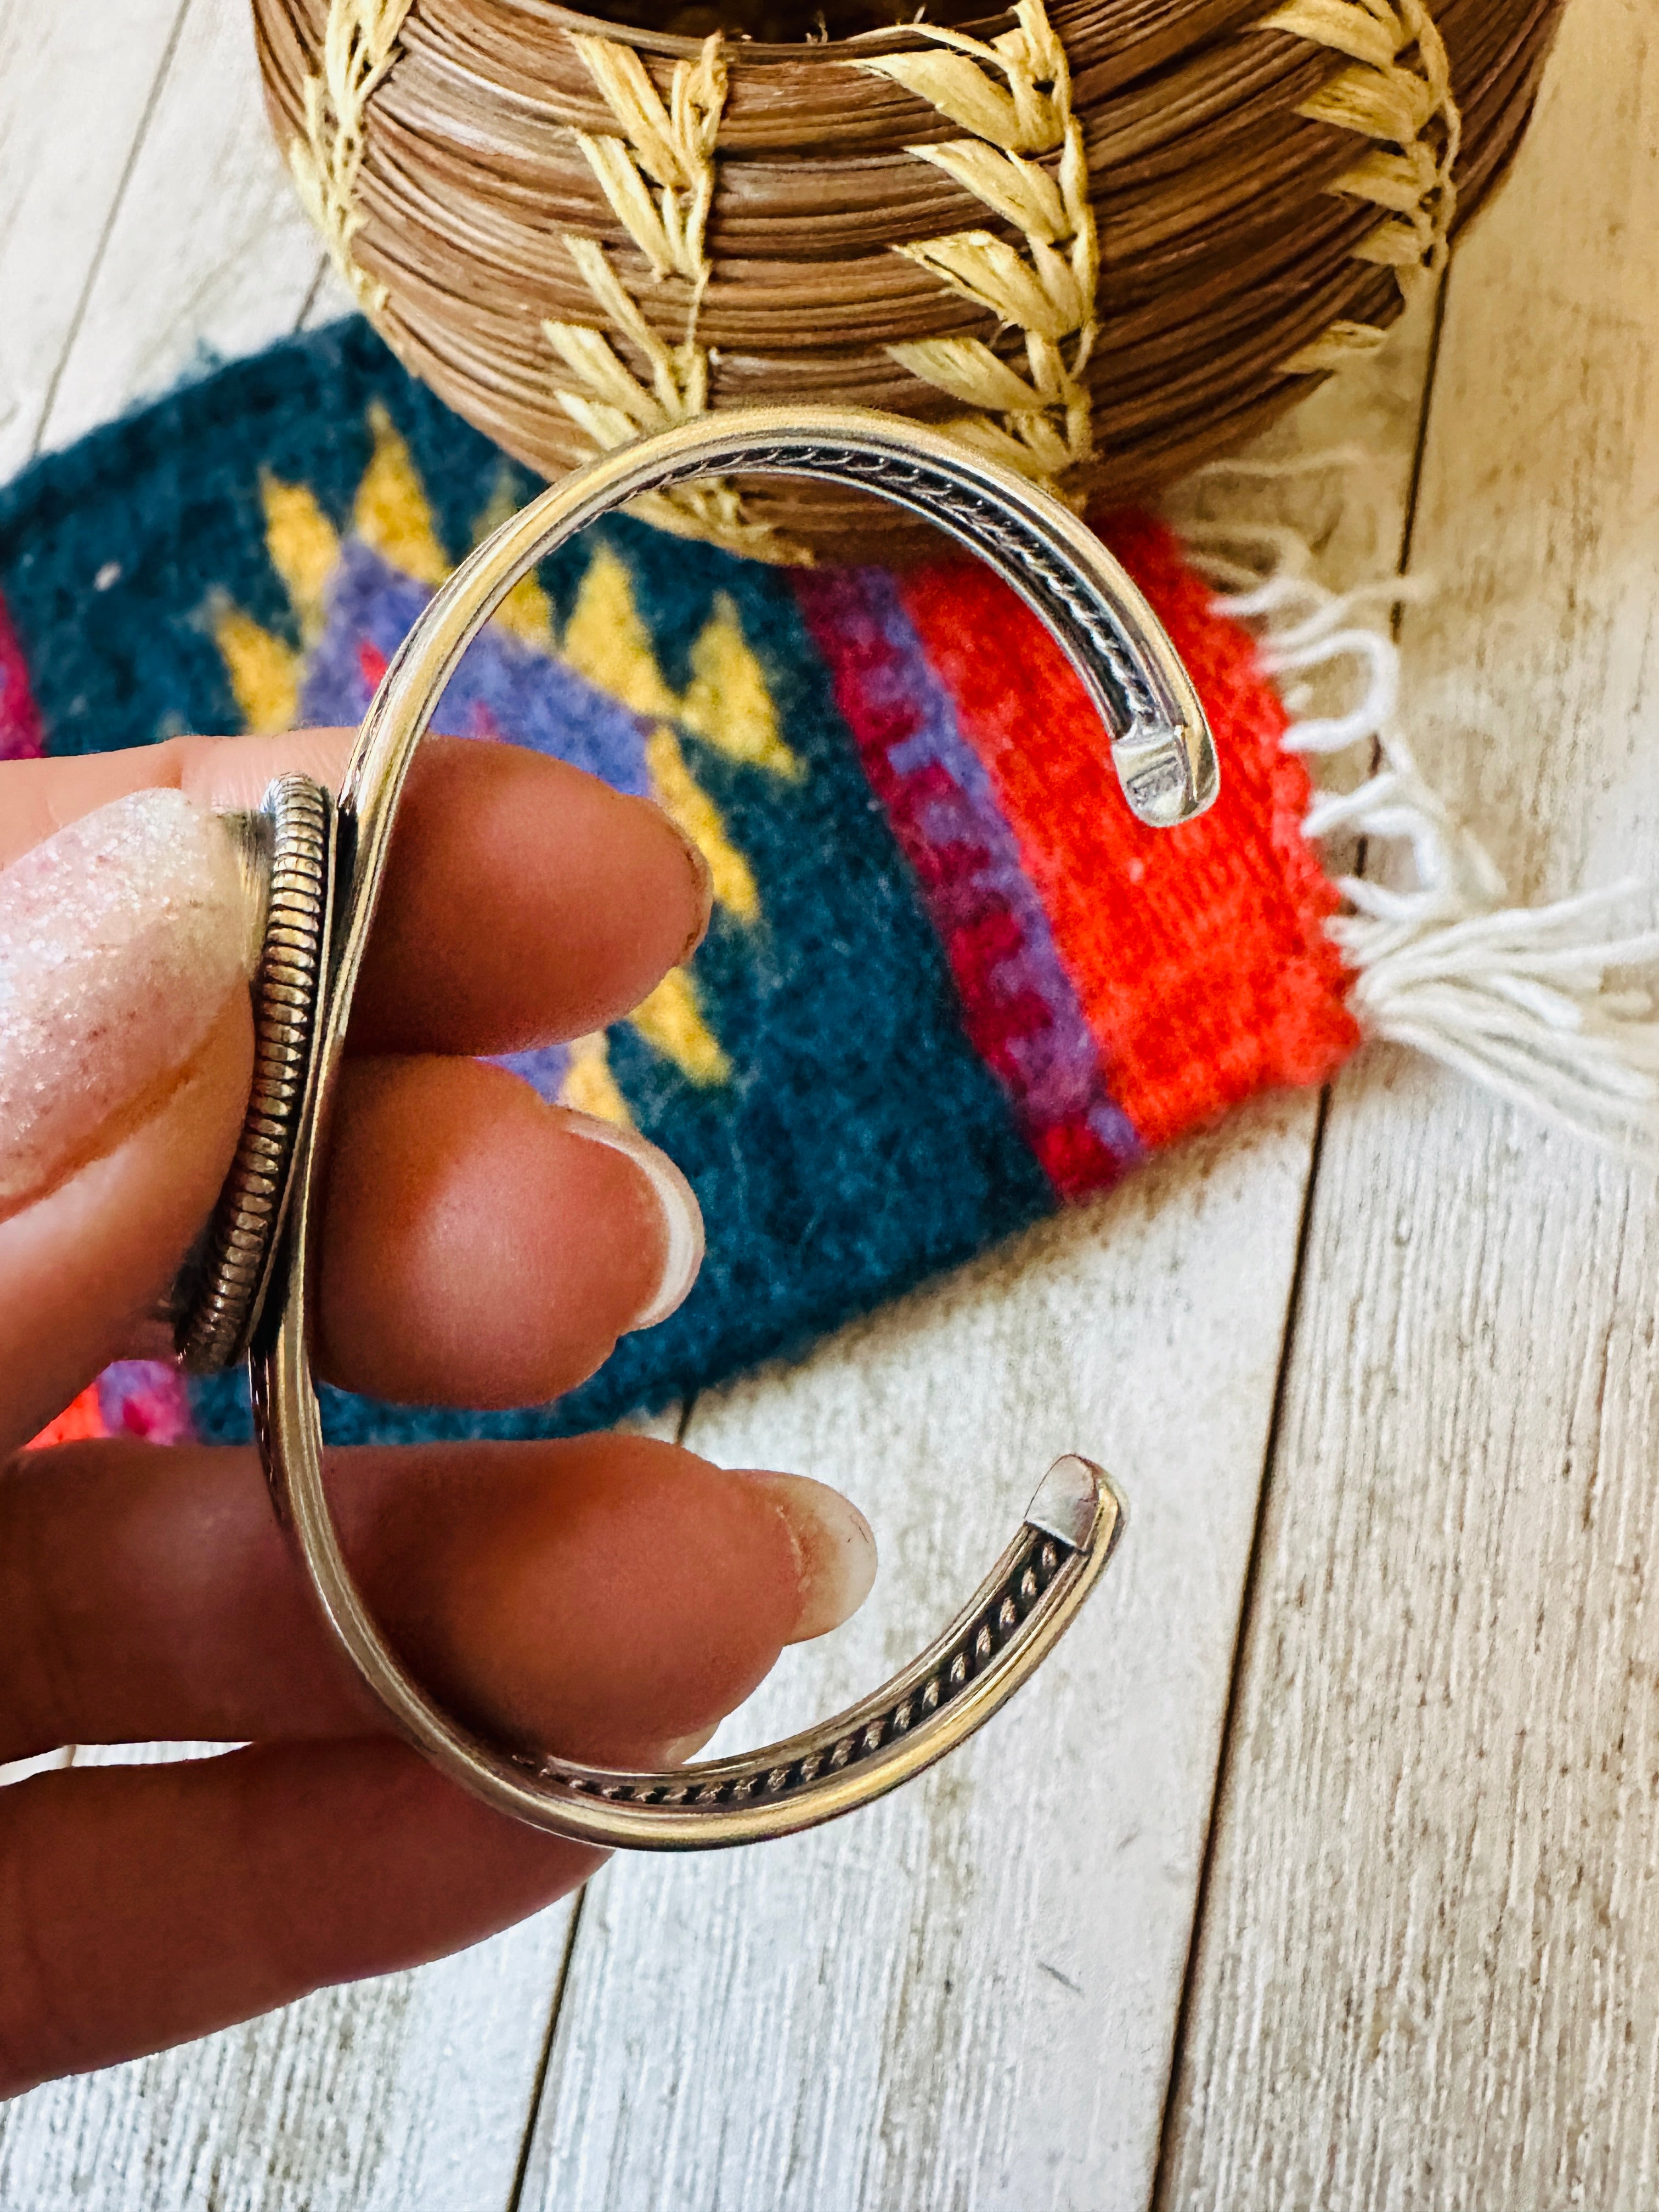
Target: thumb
[(125, 1055)]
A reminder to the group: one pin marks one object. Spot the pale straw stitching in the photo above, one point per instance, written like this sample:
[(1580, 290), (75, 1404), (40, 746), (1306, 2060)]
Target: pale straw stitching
[(672, 149), (1406, 106), (359, 44), (1014, 94)]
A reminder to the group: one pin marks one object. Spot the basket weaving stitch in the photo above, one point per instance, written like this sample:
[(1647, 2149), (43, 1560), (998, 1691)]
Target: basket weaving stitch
[(1103, 240)]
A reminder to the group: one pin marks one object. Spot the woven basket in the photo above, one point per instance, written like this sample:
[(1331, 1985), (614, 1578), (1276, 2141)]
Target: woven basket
[(1105, 242)]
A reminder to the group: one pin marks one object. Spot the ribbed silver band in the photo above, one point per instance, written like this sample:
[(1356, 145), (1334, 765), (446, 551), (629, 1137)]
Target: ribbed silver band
[(289, 844)]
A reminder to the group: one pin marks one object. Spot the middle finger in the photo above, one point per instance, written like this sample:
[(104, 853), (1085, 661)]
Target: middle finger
[(524, 901), (481, 1248), (603, 1595)]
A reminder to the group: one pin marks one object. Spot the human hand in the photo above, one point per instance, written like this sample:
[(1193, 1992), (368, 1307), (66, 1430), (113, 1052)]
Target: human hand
[(608, 1596)]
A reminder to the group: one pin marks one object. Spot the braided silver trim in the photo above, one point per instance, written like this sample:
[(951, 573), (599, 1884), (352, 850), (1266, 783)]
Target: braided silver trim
[(1011, 538), (990, 1628), (1160, 745)]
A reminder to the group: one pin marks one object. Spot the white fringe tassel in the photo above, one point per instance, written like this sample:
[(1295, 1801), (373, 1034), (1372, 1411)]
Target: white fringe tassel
[(1518, 998)]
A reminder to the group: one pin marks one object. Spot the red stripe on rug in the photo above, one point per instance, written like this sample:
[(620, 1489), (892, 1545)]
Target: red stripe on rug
[(77, 1423), (1199, 954)]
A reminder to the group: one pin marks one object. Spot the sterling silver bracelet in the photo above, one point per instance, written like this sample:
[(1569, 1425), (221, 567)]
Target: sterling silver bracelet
[(252, 1286)]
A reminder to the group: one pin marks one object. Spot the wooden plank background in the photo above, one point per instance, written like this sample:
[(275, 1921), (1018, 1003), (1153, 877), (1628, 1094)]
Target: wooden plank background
[(1424, 1914), (1429, 1971)]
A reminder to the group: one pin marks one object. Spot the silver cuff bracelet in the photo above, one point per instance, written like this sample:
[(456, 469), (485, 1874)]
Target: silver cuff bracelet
[(324, 864)]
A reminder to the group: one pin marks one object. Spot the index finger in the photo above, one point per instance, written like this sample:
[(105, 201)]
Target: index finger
[(526, 900)]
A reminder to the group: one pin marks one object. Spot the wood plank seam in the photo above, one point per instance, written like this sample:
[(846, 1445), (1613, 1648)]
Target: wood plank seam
[(1158, 2199), (415, 2088), (1427, 1977), (532, 2111), (134, 151), (928, 2065)]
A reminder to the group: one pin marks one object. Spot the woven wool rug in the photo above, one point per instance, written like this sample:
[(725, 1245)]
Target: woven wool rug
[(950, 984)]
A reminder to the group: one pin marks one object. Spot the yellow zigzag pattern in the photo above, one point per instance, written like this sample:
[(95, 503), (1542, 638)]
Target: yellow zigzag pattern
[(726, 704)]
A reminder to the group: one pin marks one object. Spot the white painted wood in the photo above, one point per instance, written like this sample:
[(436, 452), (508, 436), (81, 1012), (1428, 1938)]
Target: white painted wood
[(420, 2106), (965, 1996), (413, 2090), (1428, 1972), (60, 68), (329, 298), (209, 253)]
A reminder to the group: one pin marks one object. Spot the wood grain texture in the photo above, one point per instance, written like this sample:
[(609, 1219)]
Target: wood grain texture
[(60, 180), (60, 185), (208, 252), (1423, 1974), (410, 2090), (1429, 1969)]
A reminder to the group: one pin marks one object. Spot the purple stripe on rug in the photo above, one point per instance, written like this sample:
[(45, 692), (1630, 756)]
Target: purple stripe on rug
[(502, 689), (1020, 1008), (146, 1398)]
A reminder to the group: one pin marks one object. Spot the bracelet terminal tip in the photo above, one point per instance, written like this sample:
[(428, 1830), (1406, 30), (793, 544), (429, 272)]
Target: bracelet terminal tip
[(1079, 1502), (1167, 772)]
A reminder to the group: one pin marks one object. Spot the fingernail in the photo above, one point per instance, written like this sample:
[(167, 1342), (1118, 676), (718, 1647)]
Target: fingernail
[(703, 877), (121, 937), (681, 1216), (676, 1753), (835, 1548)]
